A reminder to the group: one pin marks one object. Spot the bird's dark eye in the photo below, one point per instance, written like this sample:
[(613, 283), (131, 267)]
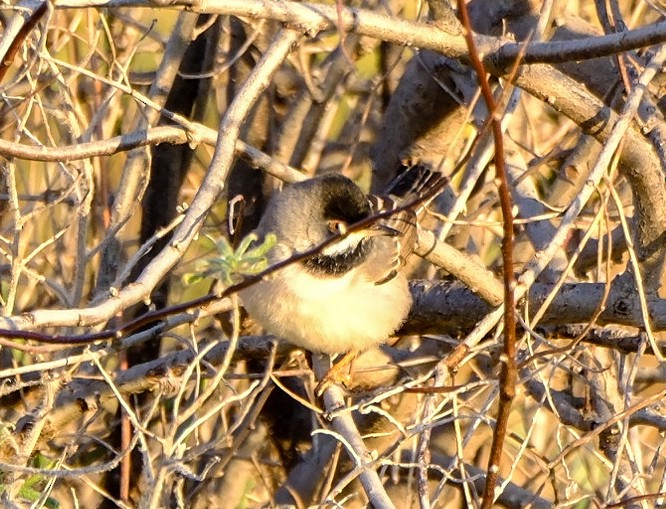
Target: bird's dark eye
[(336, 226)]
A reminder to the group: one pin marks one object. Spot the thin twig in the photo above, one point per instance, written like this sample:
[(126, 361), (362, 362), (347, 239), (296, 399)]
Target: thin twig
[(509, 372)]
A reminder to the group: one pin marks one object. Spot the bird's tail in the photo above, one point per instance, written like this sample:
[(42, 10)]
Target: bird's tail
[(418, 184)]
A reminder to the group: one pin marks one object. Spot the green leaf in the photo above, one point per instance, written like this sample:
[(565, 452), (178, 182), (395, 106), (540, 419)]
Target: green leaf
[(249, 258)]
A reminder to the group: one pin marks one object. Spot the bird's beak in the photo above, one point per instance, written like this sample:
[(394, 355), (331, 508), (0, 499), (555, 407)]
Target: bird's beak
[(353, 239), (380, 230)]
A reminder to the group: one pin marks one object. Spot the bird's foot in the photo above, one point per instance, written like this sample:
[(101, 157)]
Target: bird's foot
[(338, 374), (332, 379)]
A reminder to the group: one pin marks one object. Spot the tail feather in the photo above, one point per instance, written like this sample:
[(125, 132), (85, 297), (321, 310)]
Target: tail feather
[(416, 182)]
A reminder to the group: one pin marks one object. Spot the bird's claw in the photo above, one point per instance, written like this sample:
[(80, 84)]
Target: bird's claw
[(333, 377)]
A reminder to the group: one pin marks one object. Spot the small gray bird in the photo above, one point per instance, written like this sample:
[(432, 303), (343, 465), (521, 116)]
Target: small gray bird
[(351, 295)]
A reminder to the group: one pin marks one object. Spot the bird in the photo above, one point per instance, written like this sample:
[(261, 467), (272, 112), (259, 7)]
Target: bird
[(351, 294)]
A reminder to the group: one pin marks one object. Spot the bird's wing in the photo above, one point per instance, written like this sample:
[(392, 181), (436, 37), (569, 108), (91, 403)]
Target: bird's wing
[(393, 249), (417, 184)]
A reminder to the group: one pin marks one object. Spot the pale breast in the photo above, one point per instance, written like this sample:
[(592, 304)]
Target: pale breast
[(329, 315)]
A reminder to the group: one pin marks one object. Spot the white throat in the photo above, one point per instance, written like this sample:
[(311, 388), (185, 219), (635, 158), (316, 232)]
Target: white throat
[(345, 244)]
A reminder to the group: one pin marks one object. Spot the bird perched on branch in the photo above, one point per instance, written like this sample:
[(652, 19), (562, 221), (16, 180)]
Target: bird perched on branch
[(350, 295)]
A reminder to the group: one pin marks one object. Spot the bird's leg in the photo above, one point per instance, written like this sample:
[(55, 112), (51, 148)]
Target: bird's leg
[(337, 374)]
